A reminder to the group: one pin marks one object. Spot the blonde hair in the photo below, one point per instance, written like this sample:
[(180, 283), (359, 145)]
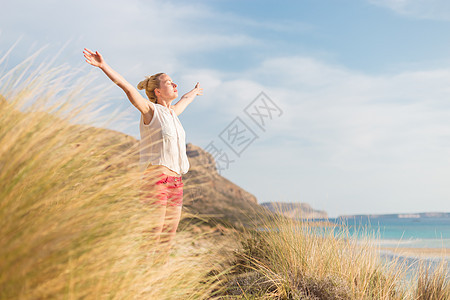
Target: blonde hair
[(149, 85)]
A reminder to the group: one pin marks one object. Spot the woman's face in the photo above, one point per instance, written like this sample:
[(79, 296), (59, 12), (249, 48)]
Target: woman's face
[(167, 88)]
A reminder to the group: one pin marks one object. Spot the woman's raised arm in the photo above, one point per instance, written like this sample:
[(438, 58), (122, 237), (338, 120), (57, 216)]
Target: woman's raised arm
[(187, 98), (97, 60)]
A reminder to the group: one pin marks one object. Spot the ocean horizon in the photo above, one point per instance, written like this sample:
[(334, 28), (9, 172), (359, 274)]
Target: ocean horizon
[(398, 232), (409, 240)]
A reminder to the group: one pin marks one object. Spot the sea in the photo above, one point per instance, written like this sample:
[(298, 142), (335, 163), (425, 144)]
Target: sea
[(399, 232), (395, 232)]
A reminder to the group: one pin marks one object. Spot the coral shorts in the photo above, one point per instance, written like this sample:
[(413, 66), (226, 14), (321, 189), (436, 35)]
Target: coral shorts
[(167, 191)]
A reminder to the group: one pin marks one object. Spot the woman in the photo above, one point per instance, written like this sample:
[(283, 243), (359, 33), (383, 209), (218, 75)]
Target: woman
[(162, 146)]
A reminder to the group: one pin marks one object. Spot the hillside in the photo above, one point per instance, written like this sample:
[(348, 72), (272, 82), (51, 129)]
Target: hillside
[(208, 193)]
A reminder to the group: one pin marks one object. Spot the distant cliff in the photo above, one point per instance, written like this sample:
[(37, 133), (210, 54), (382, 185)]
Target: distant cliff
[(208, 193), (295, 210)]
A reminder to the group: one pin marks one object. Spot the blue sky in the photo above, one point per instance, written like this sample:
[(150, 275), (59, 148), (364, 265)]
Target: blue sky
[(363, 86)]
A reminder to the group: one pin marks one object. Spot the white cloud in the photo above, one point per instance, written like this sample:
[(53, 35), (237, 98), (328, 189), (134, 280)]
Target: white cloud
[(425, 9), (157, 33), (378, 139), (359, 110)]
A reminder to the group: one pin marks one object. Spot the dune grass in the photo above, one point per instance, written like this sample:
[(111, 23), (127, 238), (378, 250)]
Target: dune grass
[(72, 225), (71, 222), (288, 259)]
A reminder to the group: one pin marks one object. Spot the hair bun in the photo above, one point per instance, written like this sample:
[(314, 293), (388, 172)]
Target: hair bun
[(143, 84), (149, 84)]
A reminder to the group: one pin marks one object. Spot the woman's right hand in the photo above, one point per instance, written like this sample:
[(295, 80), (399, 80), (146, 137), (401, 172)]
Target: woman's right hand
[(93, 58)]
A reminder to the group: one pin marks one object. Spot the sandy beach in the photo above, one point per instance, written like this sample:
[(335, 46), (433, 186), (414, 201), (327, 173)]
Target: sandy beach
[(419, 252)]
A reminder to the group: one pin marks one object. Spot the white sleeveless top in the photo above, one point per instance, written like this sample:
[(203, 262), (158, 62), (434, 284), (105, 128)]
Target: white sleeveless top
[(163, 141)]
